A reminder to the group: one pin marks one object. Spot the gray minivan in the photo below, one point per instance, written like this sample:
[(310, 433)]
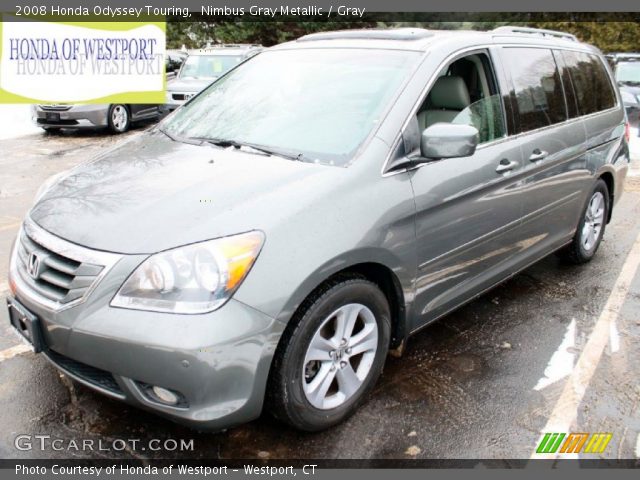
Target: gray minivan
[(270, 242)]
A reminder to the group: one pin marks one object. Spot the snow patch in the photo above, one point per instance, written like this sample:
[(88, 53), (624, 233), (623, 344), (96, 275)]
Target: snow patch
[(561, 363)]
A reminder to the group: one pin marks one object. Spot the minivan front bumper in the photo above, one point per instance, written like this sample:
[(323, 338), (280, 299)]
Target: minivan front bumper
[(217, 362), (223, 383)]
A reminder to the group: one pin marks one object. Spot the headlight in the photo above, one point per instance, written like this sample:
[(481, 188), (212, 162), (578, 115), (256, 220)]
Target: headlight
[(196, 278)]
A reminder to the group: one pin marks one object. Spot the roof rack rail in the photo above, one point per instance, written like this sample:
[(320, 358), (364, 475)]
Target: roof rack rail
[(229, 45), (370, 34), (536, 31)]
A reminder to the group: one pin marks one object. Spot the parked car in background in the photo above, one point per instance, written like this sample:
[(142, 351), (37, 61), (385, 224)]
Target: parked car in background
[(626, 67), (202, 67), (116, 117), (358, 186), (173, 62)]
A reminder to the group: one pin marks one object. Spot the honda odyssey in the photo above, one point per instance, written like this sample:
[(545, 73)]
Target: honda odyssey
[(271, 241)]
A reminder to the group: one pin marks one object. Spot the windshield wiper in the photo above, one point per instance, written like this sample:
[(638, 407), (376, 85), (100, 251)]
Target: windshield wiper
[(176, 138), (218, 142), (224, 143)]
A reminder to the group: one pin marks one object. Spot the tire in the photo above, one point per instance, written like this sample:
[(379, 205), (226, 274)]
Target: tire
[(119, 118), (591, 228), (52, 130), (291, 396)]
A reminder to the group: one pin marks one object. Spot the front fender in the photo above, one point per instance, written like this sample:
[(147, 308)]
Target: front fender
[(403, 277)]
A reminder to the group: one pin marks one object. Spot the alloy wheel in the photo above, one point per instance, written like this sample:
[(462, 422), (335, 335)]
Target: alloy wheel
[(119, 118), (340, 356), (593, 221)]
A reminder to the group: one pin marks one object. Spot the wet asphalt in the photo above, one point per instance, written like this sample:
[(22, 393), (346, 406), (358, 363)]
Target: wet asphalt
[(465, 388)]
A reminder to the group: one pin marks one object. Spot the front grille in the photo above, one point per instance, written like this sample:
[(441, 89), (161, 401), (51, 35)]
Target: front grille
[(55, 108), (55, 273), (56, 277), (95, 376), (182, 96)]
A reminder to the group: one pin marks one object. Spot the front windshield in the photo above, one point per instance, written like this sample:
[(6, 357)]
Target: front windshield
[(317, 104), (208, 66), (628, 72)]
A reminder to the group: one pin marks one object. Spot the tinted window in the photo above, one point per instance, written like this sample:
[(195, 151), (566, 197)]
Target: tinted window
[(570, 94), (591, 83), (537, 87)]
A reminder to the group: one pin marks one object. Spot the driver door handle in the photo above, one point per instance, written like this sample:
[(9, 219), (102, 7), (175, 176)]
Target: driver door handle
[(506, 165), (537, 155)]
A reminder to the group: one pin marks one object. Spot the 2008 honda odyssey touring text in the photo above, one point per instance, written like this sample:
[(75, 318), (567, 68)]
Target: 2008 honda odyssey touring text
[(272, 240)]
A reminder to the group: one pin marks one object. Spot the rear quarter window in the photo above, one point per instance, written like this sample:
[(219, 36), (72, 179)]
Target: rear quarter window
[(591, 83)]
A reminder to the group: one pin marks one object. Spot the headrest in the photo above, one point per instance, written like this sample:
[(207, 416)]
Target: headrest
[(450, 93)]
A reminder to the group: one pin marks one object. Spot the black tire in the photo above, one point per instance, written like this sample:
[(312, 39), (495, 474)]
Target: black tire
[(52, 130), (286, 399), (576, 252), (119, 118)]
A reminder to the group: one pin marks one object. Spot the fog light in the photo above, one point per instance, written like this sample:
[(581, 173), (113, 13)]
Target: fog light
[(164, 395)]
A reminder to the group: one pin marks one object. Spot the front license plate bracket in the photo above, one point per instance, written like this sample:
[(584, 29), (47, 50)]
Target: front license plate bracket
[(26, 324)]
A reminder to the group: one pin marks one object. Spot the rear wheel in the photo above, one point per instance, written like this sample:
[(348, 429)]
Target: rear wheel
[(119, 120), (331, 358), (591, 228)]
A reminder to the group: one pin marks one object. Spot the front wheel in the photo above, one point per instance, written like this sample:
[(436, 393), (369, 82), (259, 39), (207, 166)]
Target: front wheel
[(119, 121), (331, 357), (590, 231)]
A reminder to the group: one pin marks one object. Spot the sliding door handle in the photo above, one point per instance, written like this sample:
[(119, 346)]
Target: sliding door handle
[(538, 155)]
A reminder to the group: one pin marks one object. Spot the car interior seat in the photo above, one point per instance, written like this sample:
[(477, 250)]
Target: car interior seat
[(448, 97)]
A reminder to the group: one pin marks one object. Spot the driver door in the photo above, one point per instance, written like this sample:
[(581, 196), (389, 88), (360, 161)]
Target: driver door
[(467, 209)]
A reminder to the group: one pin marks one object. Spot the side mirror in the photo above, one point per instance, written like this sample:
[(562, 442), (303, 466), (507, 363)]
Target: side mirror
[(448, 140)]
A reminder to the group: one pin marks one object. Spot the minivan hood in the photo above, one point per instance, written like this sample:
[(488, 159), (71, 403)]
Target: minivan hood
[(151, 194), (189, 84), (635, 89)]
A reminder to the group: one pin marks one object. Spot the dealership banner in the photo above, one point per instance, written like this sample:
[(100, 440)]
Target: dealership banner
[(82, 62)]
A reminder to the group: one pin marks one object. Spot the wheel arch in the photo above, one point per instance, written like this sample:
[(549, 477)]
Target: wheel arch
[(609, 180), (393, 282)]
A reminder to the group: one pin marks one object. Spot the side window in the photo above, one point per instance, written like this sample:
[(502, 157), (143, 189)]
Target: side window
[(466, 92), (567, 83), (590, 80), (537, 86)]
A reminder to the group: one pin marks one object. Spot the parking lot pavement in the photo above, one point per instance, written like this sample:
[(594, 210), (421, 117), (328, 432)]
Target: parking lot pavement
[(482, 383), (16, 121)]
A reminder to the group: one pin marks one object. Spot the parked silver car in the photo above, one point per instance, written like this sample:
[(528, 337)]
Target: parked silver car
[(202, 67), (274, 239), (115, 117), (626, 69)]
